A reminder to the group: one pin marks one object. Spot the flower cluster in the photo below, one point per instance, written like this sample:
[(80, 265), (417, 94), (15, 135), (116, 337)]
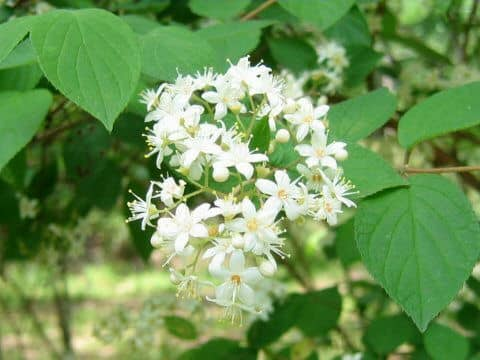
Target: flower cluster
[(221, 136)]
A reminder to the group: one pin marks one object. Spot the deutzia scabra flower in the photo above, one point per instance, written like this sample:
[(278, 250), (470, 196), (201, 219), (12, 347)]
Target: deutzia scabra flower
[(222, 206)]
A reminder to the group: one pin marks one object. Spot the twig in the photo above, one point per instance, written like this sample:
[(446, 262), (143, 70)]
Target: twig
[(440, 170), (296, 274), (51, 134), (258, 10)]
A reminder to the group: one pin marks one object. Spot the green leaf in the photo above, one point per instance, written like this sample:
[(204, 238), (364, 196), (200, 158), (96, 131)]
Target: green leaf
[(212, 9), (321, 13), (12, 32), (233, 40), (354, 119), (261, 135), (180, 327), (358, 169), (447, 111), (91, 56), (420, 243), (443, 343), (140, 24), (20, 78), (23, 54), (219, 349), (387, 333), (169, 48), (351, 29), (294, 54), (363, 59), (22, 114), (345, 245)]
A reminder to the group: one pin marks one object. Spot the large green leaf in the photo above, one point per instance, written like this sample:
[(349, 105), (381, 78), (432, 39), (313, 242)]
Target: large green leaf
[(449, 110), (443, 343), (294, 54), (420, 243), (345, 245), (23, 54), (169, 48), (357, 118), (12, 32), (212, 9), (321, 13), (369, 172), (20, 78), (22, 114), (91, 56), (233, 40), (351, 29)]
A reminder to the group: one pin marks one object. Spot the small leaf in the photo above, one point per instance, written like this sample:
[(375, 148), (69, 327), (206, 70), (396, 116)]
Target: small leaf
[(212, 9), (12, 32), (420, 243), (261, 135), (294, 54), (358, 169), (447, 111), (91, 56), (443, 343), (387, 333), (22, 114), (180, 327), (321, 13), (233, 40), (169, 48), (354, 119), (345, 245)]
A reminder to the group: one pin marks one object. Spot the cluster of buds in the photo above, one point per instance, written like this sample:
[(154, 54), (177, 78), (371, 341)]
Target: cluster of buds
[(225, 200)]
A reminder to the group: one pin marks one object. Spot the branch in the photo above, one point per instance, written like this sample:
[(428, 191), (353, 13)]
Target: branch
[(258, 10), (49, 135), (440, 170)]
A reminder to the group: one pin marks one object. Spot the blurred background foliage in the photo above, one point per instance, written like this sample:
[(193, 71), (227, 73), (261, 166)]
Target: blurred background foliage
[(77, 281)]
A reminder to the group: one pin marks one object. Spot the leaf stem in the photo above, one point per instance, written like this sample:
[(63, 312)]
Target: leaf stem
[(258, 10), (450, 169)]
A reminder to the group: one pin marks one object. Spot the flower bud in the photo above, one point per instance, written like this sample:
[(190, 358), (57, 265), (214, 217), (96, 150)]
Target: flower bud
[(282, 136), (290, 107), (267, 268), (220, 174), (236, 108), (156, 240), (341, 155), (262, 171), (238, 241)]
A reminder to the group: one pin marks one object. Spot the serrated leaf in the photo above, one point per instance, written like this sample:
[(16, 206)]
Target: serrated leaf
[(22, 114), (420, 243), (91, 56), (180, 327), (354, 119), (12, 32), (443, 343), (233, 40), (358, 168), (321, 13), (212, 9), (385, 334), (447, 111), (168, 48), (294, 54)]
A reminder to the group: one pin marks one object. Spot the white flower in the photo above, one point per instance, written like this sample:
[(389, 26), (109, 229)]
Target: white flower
[(143, 209), (183, 88), (340, 188), (314, 177), (205, 79), (159, 140), (188, 286), (228, 207), (238, 281), (282, 191), (319, 153), (220, 249), (246, 76), (151, 98), (307, 118), (170, 190), (328, 208), (185, 224), (240, 156), (202, 143), (225, 97)]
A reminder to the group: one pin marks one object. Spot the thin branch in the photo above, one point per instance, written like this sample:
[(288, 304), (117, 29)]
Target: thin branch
[(258, 10), (440, 170), (49, 135)]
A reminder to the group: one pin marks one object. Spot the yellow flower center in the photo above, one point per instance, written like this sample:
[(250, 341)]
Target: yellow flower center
[(252, 225), (282, 194), (236, 279)]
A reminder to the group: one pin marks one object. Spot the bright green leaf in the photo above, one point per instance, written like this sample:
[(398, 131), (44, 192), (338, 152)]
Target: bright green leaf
[(354, 119), (443, 343), (294, 54), (23, 54), (345, 245), (321, 13), (228, 9), (351, 29), (169, 48), (233, 40), (358, 169), (140, 24), (387, 333), (91, 56), (20, 78), (363, 60), (447, 111), (22, 114), (420, 243), (12, 32), (261, 135), (180, 327)]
